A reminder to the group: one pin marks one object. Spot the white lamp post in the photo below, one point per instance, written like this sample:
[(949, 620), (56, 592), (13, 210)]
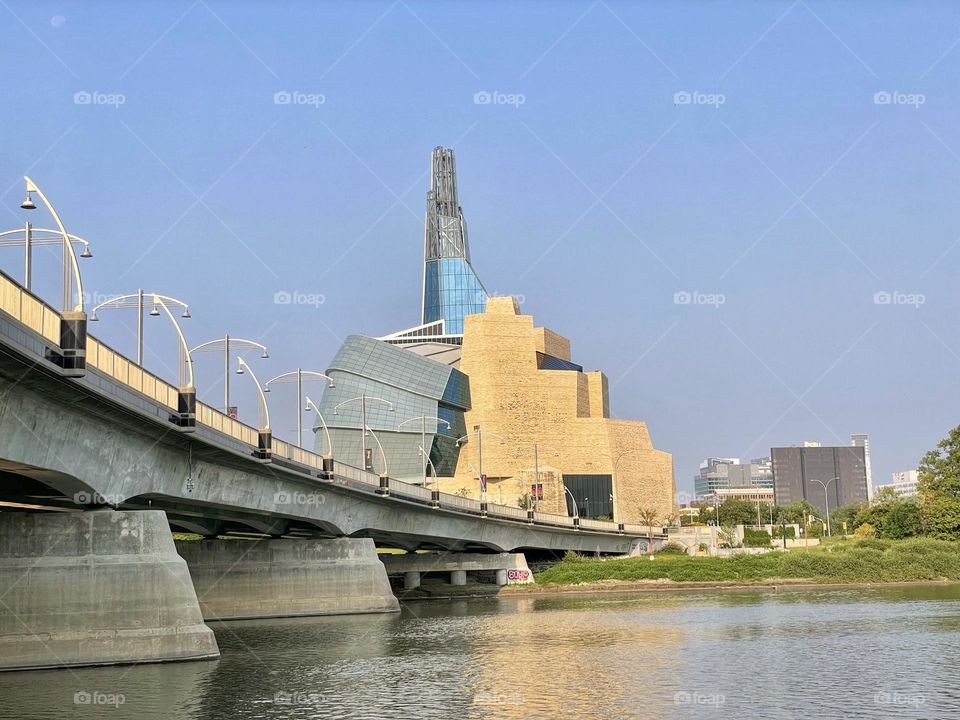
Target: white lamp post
[(30, 236), (423, 440), (326, 431), (228, 344), (826, 498), (363, 400), (135, 300), (298, 376)]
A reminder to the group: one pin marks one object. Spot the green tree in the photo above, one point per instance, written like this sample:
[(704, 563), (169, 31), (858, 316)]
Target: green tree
[(845, 514), (737, 512), (648, 516), (939, 489), (793, 513)]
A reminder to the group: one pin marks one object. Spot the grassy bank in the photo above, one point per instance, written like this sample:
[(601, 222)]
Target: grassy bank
[(840, 562)]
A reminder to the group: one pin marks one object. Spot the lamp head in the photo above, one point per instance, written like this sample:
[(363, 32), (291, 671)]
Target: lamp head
[(154, 312), (93, 317), (331, 385), (86, 252), (28, 203), (266, 389), (265, 354), (239, 369), (186, 313)]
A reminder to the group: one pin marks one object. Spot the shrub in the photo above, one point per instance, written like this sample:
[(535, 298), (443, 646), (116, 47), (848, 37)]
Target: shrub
[(789, 531), (672, 548), (866, 530), (756, 538)]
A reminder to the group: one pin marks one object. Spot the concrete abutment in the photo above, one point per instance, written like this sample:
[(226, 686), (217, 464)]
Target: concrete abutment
[(95, 588), (241, 579)]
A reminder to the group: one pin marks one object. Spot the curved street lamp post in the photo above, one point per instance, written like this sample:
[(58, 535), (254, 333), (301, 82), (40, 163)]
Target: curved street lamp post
[(483, 479), (264, 442), (826, 498), (73, 322), (363, 400), (423, 442), (135, 300), (298, 376), (310, 404), (31, 236), (228, 344)]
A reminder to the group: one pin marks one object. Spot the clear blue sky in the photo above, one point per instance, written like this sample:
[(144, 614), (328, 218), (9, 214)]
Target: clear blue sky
[(597, 199)]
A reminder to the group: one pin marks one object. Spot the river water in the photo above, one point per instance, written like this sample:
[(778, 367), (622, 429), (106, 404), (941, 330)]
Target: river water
[(891, 652)]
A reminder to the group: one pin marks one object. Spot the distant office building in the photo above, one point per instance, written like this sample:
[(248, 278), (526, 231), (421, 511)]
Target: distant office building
[(904, 483), (713, 475), (722, 473), (818, 474), (863, 440)]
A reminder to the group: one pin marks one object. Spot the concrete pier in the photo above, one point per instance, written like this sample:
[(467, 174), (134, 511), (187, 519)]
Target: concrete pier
[(237, 579), (511, 568), (95, 588)]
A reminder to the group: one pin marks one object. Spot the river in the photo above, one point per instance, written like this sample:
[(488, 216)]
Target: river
[(886, 652)]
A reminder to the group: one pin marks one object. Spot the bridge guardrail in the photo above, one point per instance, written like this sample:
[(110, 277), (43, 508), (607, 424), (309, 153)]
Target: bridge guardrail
[(32, 312), (29, 310)]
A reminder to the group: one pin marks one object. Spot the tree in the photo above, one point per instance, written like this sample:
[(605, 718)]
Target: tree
[(648, 516), (526, 502), (845, 514), (939, 489), (885, 495), (737, 512), (793, 513), (893, 519), (865, 531)]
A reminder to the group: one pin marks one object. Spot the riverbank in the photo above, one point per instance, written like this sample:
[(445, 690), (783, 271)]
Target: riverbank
[(840, 563)]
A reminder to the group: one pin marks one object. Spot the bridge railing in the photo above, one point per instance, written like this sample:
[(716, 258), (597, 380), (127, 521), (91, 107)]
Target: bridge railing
[(114, 365), (29, 310), (206, 415)]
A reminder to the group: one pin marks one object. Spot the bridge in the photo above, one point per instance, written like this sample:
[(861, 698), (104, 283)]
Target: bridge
[(100, 459)]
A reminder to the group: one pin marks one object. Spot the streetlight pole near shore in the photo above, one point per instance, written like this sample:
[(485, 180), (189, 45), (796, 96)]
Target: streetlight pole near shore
[(826, 497), (136, 300)]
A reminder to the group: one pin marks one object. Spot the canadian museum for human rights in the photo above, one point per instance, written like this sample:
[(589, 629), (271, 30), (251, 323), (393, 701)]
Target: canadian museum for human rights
[(498, 404)]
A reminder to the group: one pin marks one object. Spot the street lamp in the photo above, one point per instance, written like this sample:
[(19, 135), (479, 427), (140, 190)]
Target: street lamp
[(423, 440), (228, 344), (383, 455), (264, 435), (30, 236), (135, 300), (483, 479), (298, 376), (576, 510), (184, 350), (364, 399), (310, 404), (69, 256), (826, 498)]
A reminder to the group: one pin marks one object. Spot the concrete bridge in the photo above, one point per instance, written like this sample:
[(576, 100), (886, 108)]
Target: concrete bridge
[(96, 446)]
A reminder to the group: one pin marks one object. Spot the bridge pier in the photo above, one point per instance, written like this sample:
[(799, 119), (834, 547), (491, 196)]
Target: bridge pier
[(509, 568), (95, 588), (236, 579), (458, 577), (411, 580)]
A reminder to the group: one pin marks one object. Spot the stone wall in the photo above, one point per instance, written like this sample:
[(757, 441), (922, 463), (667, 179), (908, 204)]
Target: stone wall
[(565, 413)]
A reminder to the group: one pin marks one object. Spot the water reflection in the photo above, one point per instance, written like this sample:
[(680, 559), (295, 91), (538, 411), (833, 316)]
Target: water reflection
[(866, 653)]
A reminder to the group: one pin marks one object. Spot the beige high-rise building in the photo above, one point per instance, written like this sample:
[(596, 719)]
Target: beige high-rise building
[(530, 406)]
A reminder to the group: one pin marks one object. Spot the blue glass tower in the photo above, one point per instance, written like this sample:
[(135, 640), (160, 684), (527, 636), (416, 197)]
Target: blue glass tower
[(451, 288)]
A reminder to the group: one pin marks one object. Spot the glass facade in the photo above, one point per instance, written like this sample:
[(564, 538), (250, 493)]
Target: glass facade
[(451, 291), (416, 386), (594, 495)]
